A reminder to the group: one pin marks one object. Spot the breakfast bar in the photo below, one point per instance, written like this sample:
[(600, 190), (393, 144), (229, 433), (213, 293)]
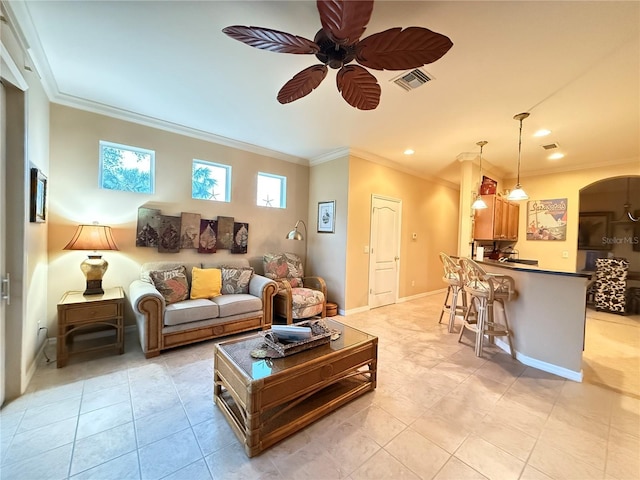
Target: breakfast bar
[(547, 318)]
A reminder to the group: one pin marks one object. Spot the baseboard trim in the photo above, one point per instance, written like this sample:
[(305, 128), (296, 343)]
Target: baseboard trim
[(544, 366), (352, 311)]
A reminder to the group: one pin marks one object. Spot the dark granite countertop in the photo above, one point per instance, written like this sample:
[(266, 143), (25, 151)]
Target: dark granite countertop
[(519, 267)]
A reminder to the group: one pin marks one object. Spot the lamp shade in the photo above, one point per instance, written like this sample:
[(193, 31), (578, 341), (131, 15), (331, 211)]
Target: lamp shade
[(92, 237), (295, 233), (479, 203), (517, 194)]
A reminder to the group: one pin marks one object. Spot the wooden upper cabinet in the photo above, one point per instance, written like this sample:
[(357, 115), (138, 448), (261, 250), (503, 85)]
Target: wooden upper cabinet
[(499, 221)]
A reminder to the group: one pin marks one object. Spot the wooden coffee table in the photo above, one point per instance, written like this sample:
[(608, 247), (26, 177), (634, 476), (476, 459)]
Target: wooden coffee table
[(266, 400)]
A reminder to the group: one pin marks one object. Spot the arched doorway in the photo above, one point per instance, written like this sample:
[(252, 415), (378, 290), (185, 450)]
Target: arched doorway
[(612, 341)]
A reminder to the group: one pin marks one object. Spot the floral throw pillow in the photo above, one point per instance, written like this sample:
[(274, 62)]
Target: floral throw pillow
[(283, 265), (236, 279), (172, 284)]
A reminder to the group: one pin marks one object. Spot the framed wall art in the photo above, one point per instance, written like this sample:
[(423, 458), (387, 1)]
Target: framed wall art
[(38, 203), (593, 229), (326, 217)]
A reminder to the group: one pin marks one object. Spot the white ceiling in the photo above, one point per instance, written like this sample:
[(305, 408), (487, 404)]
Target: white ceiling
[(575, 66)]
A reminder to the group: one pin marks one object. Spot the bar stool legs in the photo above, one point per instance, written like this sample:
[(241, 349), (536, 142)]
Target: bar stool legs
[(484, 324), (453, 309)]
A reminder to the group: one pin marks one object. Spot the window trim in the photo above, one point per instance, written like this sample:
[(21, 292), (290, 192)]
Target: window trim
[(283, 189), (227, 169), (152, 166)]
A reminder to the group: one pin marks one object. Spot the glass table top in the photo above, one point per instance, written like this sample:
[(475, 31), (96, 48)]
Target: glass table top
[(239, 351)]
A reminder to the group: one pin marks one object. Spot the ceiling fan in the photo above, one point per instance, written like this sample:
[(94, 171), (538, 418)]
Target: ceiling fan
[(338, 43)]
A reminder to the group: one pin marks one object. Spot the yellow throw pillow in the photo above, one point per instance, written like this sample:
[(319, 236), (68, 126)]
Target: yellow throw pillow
[(205, 282)]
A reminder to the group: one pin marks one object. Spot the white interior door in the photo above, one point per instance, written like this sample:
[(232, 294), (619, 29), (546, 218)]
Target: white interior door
[(384, 253), (3, 241)]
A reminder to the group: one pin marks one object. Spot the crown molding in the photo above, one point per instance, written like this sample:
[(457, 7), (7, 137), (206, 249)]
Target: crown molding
[(328, 157), (633, 162)]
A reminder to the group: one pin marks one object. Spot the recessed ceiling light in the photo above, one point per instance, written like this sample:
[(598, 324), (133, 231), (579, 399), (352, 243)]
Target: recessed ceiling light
[(542, 133), (409, 151), (555, 156)]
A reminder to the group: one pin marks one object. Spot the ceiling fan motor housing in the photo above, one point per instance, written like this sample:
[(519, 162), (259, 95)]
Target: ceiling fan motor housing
[(332, 54)]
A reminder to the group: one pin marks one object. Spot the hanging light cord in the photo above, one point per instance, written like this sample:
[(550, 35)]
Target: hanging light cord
[(519, 153)]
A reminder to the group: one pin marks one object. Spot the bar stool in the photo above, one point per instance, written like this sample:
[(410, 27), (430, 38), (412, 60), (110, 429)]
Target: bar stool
[(486, 289), (452, 276)]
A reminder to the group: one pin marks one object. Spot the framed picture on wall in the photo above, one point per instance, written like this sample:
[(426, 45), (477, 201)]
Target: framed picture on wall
[(636, 233), (38, 197), (593, 229), (326, 217)]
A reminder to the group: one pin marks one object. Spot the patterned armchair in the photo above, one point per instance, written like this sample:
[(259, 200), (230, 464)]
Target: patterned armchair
[(298, 297)]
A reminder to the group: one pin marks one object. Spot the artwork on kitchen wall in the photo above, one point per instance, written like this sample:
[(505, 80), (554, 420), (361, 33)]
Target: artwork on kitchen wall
[(148, 225), (225, 232), (169, 234), (208, 242), (240, 237), (547, 219), (189, 230)]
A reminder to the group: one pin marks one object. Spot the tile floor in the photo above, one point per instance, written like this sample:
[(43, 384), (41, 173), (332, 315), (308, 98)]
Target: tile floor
[(438, 412)]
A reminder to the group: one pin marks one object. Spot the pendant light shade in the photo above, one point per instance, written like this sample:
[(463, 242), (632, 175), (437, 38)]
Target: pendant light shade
[(479, 203), (518, 192)]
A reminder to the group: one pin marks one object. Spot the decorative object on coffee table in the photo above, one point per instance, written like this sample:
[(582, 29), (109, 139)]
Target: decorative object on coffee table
[(93, 237)]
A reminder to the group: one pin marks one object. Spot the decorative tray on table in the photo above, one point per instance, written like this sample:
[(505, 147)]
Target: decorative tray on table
[(320, 334)]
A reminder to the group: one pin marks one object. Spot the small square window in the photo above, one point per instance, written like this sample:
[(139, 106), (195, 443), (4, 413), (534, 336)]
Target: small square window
[(272, 190), (129, 169), (210, 181)]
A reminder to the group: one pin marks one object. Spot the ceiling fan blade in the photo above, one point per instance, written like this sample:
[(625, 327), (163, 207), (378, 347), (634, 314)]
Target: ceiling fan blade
[(272, 40), (358, 87), (344, 21), (397, 49), (302, 83)]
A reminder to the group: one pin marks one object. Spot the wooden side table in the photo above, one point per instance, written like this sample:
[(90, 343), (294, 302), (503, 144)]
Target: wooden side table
[(77, 312)]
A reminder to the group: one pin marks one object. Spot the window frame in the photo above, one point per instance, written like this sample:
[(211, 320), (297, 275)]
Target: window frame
[(227, 179), (152, 165), (283, 189)]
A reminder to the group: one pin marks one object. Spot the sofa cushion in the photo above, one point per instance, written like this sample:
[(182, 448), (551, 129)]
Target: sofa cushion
[(205, 282), (236, 304), (190, 311), (306, 302), (236, 279), (172, 284)]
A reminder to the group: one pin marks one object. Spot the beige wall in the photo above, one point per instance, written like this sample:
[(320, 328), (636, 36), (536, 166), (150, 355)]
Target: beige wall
[(562, 185), (327, 251), (76, 198), (428, 209)]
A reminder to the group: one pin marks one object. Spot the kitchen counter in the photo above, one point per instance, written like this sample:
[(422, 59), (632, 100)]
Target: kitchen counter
[(547, 317)]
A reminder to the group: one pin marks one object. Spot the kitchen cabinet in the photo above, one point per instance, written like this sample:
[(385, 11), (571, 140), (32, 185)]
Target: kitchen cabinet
[(499, 221)]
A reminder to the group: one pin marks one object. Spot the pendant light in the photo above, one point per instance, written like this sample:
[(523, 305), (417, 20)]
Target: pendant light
[(518, 193), (479, 203)]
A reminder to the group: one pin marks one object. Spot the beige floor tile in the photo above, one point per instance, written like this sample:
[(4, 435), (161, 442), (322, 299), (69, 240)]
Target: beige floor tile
[(511, 440), (625, 414), (560, 465), (580, 444), (349, 446), (623, 459), (489, 460), (530, 473), (383, 466), (446, 433), (455, 469), (516, 415), (420, 455), (377, 424)]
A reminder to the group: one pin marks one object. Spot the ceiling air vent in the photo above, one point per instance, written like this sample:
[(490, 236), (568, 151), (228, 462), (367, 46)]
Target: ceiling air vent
[(412, 79), (550, 146)]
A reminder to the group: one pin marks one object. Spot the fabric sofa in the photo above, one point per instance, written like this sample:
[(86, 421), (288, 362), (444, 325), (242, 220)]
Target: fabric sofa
[(164, 323)]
